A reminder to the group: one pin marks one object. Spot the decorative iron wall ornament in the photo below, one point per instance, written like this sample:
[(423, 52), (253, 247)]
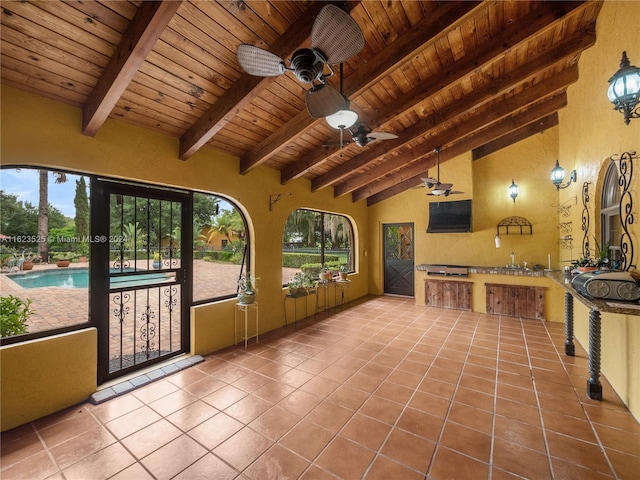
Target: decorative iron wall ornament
[(625, 169), (586, 250)]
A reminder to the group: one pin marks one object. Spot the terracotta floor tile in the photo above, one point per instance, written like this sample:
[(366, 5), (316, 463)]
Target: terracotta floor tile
[(174, 457), (299, 402), (420, 423), (345, 459), (385, 469), (448, 464), (172, 402), (242, 449), (330, 415), (362, 393), (192, 415), (307, 439), (469, 442), (133, 421), (366, 431), (275, 464), (520, 460), (81, 446), (523, 434), (216, 430), (274, 423), (273, 391), (248, 408), (101, 464), (409, 449), (35, 467), (151, 438), (225, 397), (575, 451)]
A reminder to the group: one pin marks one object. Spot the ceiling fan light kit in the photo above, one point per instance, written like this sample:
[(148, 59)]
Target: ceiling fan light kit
[(335, 38), (342, 119)]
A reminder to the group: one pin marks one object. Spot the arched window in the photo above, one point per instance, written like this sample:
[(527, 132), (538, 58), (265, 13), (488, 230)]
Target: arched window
[(610, 213), (312, 240)]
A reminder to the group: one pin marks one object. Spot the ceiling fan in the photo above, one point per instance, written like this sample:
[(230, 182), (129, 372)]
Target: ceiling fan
[(439, 188), (335, 38), (362, 135)]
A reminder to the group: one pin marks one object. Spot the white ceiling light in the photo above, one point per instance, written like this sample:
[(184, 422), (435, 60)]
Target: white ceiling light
[(342, 119)]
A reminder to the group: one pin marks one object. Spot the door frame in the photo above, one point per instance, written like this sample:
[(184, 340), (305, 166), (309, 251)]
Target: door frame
[(99, 279), (385, 226)]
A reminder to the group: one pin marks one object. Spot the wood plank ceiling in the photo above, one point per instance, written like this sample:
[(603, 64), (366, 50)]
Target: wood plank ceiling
[(466, 76)]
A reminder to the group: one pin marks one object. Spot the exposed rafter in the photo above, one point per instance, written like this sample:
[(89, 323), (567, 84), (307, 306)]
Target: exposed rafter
[(146, 27)]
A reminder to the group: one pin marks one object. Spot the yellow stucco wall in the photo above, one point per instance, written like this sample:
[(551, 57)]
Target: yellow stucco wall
[(40, 377), (40, 132), (590, 132)]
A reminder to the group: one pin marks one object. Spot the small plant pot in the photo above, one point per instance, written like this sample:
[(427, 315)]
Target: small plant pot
[(62, 263), (344, 275), (587, 269), (157, 264), (246, 297), (27, 266)]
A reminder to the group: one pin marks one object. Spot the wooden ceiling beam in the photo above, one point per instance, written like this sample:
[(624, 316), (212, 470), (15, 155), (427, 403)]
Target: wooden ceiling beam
[(246, 88), (400, 51), (515, 136), (496, 87), (410, 176), (143, 32), (518, 32)]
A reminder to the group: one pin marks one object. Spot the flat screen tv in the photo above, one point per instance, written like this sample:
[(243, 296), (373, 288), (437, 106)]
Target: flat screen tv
[(450, 217)]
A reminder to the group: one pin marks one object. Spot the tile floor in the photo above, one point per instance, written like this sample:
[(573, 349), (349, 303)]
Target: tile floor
[(384, 389)]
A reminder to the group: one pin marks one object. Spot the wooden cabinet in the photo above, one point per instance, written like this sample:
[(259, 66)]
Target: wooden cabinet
[(448, 294), (515, 300)]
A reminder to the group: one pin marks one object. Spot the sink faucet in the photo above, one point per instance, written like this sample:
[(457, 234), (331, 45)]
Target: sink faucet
[(513, 259)]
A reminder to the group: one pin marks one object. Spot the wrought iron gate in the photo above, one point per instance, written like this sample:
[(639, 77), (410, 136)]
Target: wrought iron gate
[(140, 275), (398, 259)]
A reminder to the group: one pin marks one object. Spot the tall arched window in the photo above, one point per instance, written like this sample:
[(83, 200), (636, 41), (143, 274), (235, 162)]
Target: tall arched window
[(312, 240), (610, 213)]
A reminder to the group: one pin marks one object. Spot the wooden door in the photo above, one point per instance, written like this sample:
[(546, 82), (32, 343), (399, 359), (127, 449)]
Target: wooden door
[(398, 259)]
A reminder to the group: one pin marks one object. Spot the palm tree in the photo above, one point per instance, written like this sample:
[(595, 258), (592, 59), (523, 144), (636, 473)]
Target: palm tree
[(43, 211)]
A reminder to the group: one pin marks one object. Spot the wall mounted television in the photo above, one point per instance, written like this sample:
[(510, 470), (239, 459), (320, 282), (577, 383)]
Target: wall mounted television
[(450, 217)]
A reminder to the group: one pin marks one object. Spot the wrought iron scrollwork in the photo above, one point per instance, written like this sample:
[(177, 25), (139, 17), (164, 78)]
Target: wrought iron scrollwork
[(122, 309), (625, 169), (148, 329), (172, 298), (586, 250)]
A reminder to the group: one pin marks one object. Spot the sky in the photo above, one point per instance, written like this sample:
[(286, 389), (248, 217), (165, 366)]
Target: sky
[(24, 184)]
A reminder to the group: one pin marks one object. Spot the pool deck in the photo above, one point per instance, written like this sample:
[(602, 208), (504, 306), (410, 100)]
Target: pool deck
[(56, 307)]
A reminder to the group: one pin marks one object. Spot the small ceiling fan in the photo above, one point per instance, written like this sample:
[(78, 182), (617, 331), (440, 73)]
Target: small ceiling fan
[(335, 38), (444, 189), (362, 135)]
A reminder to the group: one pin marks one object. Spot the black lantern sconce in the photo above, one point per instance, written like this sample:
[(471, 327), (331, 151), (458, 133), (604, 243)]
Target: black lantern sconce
[(624, 89), (513, 190), (557, 176)]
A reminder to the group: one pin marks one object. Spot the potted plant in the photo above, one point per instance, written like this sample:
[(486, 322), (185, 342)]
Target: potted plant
[(325, 274), (600, 262), (157, 260), (247, 289), (344, 274), (28, 263), (296, 285)]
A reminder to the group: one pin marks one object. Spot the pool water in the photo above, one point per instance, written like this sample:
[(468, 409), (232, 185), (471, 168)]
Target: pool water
[(67, 278), (79, 278)]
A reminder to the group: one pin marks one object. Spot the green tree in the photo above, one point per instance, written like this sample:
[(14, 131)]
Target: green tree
[(43, 210), (81, 202)]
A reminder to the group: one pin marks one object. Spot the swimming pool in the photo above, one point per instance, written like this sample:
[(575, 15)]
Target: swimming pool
[(79, 278), (67, 278)]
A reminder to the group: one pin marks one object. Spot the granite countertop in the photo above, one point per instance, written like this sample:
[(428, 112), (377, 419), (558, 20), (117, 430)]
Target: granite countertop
[(611, 306)]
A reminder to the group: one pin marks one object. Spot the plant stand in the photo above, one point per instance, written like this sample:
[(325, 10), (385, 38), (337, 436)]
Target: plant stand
[(244, 308)]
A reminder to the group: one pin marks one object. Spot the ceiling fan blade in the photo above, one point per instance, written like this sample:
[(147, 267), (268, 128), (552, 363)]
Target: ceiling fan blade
[(444, 186), (382, 136), (429, 180), (336, 34), (324, 100), (257, 61)]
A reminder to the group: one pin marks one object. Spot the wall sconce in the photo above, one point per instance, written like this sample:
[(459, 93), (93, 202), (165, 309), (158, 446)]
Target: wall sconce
[(513, 190), (497, 240), (624, 89), (557, 176)]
